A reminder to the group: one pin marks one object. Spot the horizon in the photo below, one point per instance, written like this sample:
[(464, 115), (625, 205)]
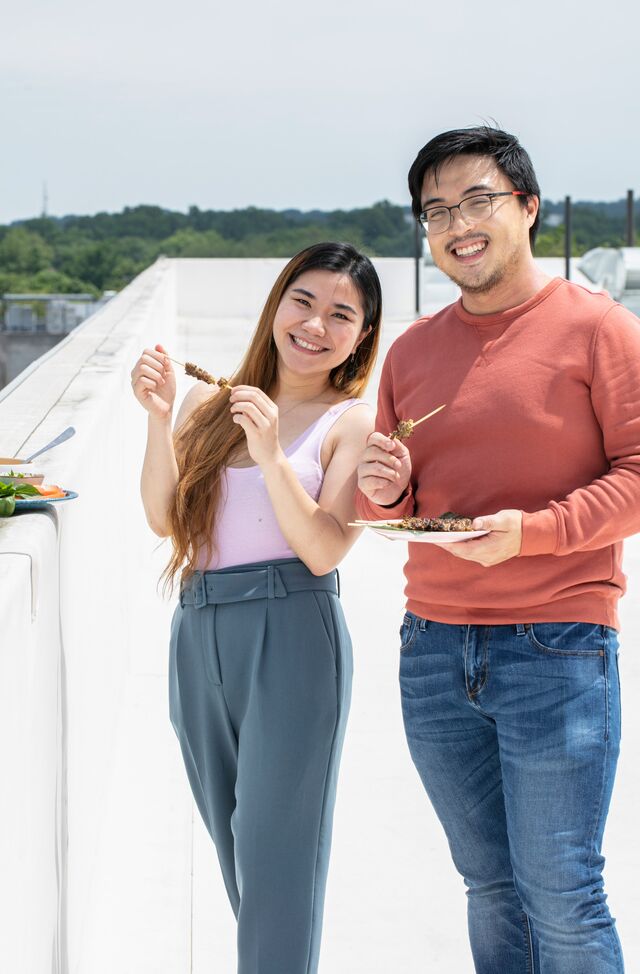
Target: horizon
[(286, 209)]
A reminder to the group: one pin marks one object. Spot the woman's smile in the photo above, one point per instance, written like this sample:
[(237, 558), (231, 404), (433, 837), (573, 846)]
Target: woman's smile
[(306, 346)]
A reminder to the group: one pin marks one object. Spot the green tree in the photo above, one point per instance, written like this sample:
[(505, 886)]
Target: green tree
[(24, 252)]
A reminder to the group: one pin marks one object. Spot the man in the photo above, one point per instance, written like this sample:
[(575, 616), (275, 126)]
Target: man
[(508, 670)]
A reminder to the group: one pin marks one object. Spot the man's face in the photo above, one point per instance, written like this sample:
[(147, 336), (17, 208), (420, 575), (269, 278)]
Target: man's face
[(478, 256)]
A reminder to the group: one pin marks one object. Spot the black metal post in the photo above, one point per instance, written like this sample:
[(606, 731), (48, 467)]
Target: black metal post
[(567, 237), (418, 257), (631, 236)]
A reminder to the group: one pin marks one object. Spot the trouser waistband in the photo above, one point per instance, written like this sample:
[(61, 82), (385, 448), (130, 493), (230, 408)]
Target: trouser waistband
[(269, 581)]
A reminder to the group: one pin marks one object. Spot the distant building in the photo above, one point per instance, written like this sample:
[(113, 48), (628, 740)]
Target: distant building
[(55, 314), (34, 323)]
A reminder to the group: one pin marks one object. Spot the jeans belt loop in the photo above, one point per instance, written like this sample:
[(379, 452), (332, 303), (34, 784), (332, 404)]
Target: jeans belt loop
[(199, 590), (520, 629)]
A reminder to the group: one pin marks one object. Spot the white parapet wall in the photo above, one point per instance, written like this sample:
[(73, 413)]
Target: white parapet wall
[(69, 587), (31, 748)]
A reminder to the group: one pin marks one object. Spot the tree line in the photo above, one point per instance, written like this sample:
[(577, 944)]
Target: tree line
[(105, 251)]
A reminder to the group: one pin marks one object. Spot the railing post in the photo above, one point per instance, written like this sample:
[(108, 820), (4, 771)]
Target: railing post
[(631, 236), (567, 237), (417, 246)]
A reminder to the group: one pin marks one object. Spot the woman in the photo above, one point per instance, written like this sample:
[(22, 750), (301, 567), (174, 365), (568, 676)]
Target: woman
[(256, 490)]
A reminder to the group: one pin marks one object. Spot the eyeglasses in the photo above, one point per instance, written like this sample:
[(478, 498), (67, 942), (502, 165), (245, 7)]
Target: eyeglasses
[(473, 209)]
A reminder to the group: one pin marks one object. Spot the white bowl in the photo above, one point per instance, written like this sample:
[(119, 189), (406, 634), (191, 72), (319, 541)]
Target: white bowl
[(32, 478), (7, 467), (32, 475)]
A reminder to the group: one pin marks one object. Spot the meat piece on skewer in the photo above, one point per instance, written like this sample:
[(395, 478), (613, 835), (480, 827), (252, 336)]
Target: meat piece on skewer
[(405, 427), (197, 373), (403, 430)]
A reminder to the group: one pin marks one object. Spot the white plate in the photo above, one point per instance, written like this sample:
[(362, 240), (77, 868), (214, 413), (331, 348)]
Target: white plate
[(426, 537)]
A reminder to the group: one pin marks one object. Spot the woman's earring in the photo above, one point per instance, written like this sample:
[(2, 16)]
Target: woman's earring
[(351, 370)]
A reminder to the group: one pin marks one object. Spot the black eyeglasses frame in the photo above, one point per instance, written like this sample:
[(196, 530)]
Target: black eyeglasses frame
[(424, 220)]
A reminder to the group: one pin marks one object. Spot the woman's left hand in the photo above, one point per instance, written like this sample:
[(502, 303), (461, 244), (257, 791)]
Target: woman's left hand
[(258, 415)]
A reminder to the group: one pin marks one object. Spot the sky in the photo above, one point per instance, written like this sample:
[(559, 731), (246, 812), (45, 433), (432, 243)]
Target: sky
[(284, 105)]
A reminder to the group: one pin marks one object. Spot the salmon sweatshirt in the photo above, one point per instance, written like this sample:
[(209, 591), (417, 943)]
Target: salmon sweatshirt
[(542, 415)]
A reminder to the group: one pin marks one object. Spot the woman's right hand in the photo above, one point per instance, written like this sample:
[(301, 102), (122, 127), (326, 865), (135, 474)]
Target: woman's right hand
[(154, 382)]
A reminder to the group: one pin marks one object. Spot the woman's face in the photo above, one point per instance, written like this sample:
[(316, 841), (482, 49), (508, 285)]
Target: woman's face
[(318, 323)]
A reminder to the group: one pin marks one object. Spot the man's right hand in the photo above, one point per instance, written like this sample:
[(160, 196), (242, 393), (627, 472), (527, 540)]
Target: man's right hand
[(385, 469)]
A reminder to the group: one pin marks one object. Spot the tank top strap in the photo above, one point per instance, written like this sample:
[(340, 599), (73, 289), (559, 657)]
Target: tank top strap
[(311, 441)]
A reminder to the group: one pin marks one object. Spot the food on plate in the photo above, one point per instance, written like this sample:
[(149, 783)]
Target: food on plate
[(21, 491), (446, 522), (50, 490), (405, 427), (9, 493), (7, 506)]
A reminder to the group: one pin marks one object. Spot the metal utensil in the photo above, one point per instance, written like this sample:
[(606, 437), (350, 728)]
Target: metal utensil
[(65, 435)]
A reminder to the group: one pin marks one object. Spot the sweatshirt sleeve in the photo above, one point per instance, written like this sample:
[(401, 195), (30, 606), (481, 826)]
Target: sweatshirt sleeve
[(608, 509), (386, 420)]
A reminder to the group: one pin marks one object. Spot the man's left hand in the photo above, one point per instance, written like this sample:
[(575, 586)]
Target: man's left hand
[(503, 541)]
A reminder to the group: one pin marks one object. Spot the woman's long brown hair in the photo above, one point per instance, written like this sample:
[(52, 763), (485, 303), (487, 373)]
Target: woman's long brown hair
[(205, 442)]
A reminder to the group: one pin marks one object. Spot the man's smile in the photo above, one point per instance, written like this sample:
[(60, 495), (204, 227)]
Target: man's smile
[(470, 251)]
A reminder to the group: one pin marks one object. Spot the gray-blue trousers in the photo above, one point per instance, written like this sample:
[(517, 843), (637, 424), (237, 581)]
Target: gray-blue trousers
[(259, 688)]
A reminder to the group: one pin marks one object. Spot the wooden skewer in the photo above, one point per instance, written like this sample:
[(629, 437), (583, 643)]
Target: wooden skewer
[(432, 413), (222, 383)]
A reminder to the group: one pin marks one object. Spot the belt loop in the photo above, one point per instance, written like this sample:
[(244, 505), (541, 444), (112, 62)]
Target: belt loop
[(270, 582), (520, 629), (280, 589), (199, 590)]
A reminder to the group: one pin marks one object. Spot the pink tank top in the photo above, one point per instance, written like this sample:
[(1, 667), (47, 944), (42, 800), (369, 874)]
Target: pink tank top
[(247, 529)]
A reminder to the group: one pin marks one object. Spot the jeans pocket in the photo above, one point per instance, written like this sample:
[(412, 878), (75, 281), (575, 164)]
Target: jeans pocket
[(568, 638), (618, 689), (408, 631)]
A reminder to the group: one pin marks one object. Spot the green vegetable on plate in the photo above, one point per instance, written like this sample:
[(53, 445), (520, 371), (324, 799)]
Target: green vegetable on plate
[(9, 493)]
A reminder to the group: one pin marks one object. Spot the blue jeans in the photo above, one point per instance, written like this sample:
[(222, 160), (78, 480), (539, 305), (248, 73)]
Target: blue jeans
[(515, 733)]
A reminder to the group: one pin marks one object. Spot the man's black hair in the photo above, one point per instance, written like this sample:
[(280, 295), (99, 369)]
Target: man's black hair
[(504, 149)]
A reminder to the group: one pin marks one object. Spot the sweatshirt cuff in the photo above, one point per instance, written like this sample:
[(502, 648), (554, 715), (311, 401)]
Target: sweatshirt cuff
[(539, 533), (403, 507)]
